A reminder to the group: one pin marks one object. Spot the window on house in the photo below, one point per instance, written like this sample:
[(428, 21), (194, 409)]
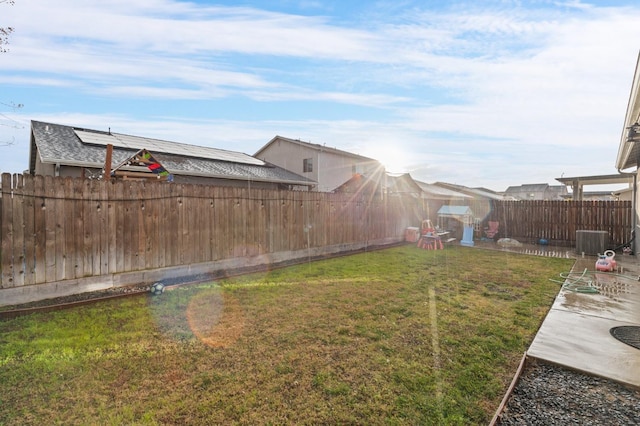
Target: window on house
[(307, 165)]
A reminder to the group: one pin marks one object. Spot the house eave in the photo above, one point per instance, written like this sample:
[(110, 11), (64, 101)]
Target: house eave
[(629, 148), (92, 165)]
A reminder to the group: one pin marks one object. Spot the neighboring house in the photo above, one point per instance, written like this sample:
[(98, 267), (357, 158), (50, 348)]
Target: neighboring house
[(329, 167), (436, 196), (623, 194), (596, 196), (629, 147), (536, 191), (403, 183), (373, 184), (481, 201), (480, 193), (58, 150)]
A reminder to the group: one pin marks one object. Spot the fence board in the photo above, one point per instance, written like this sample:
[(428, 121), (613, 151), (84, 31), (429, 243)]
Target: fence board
[(203, 249), (60, 210), (87, 230), (213, 223), (70, 251), (128, 237), (186, 222), (172, 228), (96, 234), (134, 214), (150, 206), (103, 213), (18, 231), (228, 225), (119, 226), (140, 243), (112, 234), (50, 230), (7, 232), (163, 225), (40, 229)]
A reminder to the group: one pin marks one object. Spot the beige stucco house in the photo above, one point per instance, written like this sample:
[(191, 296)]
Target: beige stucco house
[(329, 167)]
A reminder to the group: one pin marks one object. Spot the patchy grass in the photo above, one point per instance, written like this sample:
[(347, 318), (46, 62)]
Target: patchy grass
[(399, 336)]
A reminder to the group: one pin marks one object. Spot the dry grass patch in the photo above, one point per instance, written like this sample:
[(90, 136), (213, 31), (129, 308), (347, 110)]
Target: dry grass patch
[(215, 318)]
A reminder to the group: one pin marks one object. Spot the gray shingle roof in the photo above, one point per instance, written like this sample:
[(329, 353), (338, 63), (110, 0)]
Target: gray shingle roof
[(60, 144)]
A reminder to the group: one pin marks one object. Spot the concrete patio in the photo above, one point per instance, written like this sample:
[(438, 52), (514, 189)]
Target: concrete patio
[(576, 331)]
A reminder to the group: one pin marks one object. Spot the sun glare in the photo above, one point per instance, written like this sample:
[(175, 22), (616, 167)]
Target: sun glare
[(394, 159)]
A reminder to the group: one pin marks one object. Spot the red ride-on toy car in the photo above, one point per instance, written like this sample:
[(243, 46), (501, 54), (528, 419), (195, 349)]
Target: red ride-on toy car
[(606, 262)]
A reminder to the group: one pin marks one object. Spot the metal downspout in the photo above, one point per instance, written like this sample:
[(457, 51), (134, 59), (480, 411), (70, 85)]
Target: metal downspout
[(634, 216)]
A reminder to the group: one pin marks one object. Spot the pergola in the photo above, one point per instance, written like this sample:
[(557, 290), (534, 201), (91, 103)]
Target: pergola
[(577, 183)]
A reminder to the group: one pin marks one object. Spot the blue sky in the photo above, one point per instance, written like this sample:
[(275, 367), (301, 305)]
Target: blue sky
[(478, 93)]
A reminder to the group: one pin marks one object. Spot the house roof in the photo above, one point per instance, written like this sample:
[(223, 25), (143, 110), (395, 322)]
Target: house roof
[(368, 183), (528, 187), (72, 146), (526, 191), (474, 192), (402, 183), (361, 183), (93, 137), (313, 146), (629, 148), (439, 192)]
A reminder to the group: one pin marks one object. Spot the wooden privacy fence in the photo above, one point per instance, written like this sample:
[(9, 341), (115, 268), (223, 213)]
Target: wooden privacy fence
[(55, 229), (558, 221)]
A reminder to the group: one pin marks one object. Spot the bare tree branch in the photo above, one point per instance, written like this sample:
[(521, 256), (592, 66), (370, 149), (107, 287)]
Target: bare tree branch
[(6, 120), (5, 31)]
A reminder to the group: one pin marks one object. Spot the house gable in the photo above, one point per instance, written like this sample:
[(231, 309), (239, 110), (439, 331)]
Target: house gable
[(330, 167)]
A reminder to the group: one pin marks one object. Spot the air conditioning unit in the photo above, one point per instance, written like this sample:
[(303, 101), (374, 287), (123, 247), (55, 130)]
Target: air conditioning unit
[(591, 242)]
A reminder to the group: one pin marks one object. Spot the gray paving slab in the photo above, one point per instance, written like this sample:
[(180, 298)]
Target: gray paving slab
[(583, 342), (576, 331)]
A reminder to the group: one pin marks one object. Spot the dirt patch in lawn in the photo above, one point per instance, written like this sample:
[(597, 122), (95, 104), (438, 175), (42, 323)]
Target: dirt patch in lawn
[(216, 318)]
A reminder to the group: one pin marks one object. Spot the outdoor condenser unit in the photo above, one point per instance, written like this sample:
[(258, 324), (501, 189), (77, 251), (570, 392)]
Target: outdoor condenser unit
[(591, 242)]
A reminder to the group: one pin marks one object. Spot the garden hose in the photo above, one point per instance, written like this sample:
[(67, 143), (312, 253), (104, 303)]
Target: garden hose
[(577, 283), (583, 283)]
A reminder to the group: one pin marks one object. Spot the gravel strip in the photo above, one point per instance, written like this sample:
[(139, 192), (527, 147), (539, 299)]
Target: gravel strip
[(80, 297), (551, 395)]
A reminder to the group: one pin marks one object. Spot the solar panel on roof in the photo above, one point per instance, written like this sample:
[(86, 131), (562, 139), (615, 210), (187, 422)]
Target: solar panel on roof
[(166, 147)]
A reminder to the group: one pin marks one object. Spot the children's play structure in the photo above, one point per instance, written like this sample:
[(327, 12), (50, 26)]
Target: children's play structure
[(454, 222), (431, 238)]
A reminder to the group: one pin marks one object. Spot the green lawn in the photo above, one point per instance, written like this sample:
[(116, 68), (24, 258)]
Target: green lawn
[(398, 336)]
